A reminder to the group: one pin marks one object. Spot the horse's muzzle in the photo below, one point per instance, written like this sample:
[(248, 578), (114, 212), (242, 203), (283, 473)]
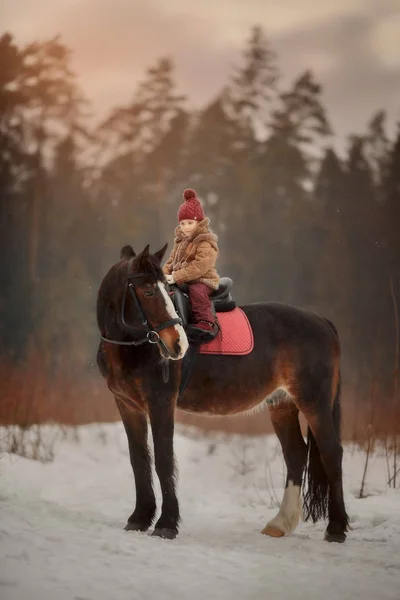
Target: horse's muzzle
[(174, 343)]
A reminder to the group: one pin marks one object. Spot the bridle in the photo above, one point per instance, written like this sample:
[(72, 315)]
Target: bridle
[(152, 334)]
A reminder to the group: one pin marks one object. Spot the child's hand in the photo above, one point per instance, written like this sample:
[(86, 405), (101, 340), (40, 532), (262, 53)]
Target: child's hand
[(170, 279)]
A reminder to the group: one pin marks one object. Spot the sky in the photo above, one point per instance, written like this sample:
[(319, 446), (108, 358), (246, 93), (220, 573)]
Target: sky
[(352, 46)]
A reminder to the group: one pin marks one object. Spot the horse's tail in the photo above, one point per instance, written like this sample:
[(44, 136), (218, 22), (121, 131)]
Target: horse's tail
[(337, 408), (315, 484), (316, 490)]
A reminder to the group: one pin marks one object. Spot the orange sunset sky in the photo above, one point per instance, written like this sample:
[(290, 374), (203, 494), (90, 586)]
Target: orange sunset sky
[(352, 45)]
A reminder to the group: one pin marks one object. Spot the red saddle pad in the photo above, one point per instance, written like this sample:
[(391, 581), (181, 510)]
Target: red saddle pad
[(235, 337)]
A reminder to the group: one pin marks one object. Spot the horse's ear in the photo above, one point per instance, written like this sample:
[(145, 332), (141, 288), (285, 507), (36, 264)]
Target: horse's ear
[(143, 257), (160, 253), (127, 252)]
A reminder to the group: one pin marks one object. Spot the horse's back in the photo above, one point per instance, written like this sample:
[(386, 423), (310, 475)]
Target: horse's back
[(280, 322)]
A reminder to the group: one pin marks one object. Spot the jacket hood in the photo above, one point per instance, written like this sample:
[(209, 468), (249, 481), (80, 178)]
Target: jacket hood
[(201, 233)]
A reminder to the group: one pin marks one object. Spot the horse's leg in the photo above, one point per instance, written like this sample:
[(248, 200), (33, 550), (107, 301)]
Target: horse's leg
[(162, 425), (135, 423), (324, 468), (285, 421), (326, 451)]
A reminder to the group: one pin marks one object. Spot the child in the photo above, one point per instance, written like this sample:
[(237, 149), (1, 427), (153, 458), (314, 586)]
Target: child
[(192, 260)]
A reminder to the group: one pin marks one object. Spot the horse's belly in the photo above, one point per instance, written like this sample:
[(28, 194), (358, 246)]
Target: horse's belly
[(223, 395)]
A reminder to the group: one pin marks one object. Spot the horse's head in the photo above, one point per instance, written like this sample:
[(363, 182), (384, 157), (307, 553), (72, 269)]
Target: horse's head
[(134, 305)]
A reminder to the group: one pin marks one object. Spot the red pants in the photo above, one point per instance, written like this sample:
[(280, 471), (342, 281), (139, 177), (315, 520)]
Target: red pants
[(199, 299)]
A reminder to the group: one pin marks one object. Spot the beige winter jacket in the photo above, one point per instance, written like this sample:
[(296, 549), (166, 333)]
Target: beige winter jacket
[(193, 258)]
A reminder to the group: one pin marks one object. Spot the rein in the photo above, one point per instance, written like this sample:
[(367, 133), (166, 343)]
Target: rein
[(152, 334)]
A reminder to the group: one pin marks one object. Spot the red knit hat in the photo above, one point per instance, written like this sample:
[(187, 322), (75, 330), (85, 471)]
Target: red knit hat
[(191, 208)]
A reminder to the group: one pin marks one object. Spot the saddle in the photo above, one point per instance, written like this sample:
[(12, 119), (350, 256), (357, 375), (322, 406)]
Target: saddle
[(232, 337), (221, 300)]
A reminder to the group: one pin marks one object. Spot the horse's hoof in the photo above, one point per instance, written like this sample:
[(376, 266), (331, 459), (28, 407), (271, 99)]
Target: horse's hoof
[(164, 532), (339, 538), (272, 531), (136, 527)]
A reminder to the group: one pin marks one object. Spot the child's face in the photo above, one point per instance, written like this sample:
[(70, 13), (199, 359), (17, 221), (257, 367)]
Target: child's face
[(188, 225)]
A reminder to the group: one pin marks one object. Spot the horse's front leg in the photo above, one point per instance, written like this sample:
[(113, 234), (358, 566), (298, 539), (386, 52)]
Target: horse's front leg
[(162, 425), (135, 423)]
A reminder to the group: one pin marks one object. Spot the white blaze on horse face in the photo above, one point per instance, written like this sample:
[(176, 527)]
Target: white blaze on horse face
[(289, 513), (183, 341)]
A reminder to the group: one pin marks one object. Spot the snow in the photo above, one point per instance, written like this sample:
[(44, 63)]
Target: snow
[(62, 538)]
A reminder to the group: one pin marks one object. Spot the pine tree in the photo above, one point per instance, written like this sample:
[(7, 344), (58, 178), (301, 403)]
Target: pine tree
[(138, 128), (301, 117), (209, 156), (361, 223), (360, 193), (167, 176), (391, 246), (377, 149), (283, 211), (391, 210), (54, 106), (245, 107), (66, 232), (253, 86), (160, 101), (14, 160), (39, 103), (134, 179), (330, 251), (329, 184)]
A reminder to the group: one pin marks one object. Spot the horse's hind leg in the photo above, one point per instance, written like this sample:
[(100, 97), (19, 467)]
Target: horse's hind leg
[(324, 468), (325, 484), (284, 417), (135, 423)]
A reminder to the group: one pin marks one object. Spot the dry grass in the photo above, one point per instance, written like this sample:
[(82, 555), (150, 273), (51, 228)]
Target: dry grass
[(373, 414), (29, 397)]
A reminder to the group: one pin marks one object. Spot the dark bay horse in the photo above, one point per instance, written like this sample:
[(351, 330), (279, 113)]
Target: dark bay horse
[(294, 366)]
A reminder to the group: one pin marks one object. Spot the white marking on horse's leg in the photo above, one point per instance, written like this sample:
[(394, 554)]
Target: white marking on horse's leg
[(172, 313), (289, 513)]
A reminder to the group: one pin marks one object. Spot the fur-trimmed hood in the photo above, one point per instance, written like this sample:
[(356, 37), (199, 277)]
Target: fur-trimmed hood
[(201, 233)]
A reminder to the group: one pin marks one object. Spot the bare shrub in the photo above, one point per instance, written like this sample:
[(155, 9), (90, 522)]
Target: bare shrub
[(31, 398)]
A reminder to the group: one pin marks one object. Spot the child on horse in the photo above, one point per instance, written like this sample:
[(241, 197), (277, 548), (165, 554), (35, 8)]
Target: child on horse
[(192, 260)]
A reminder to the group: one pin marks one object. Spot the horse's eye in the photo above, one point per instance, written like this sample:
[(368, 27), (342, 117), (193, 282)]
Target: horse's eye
[(149, 293)]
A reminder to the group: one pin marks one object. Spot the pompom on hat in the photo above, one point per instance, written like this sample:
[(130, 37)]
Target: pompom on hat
[(191, 208)]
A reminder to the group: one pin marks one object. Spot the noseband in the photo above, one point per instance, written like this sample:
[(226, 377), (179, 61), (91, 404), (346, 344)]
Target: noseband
[(152, 334)]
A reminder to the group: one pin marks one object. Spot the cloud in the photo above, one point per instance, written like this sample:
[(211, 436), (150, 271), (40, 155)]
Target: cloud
[(355, 78), (278, 17), (351, 44), (385, 39)]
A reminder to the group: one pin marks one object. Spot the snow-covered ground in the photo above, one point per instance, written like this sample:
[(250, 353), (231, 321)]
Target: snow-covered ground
[(61, 528)]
